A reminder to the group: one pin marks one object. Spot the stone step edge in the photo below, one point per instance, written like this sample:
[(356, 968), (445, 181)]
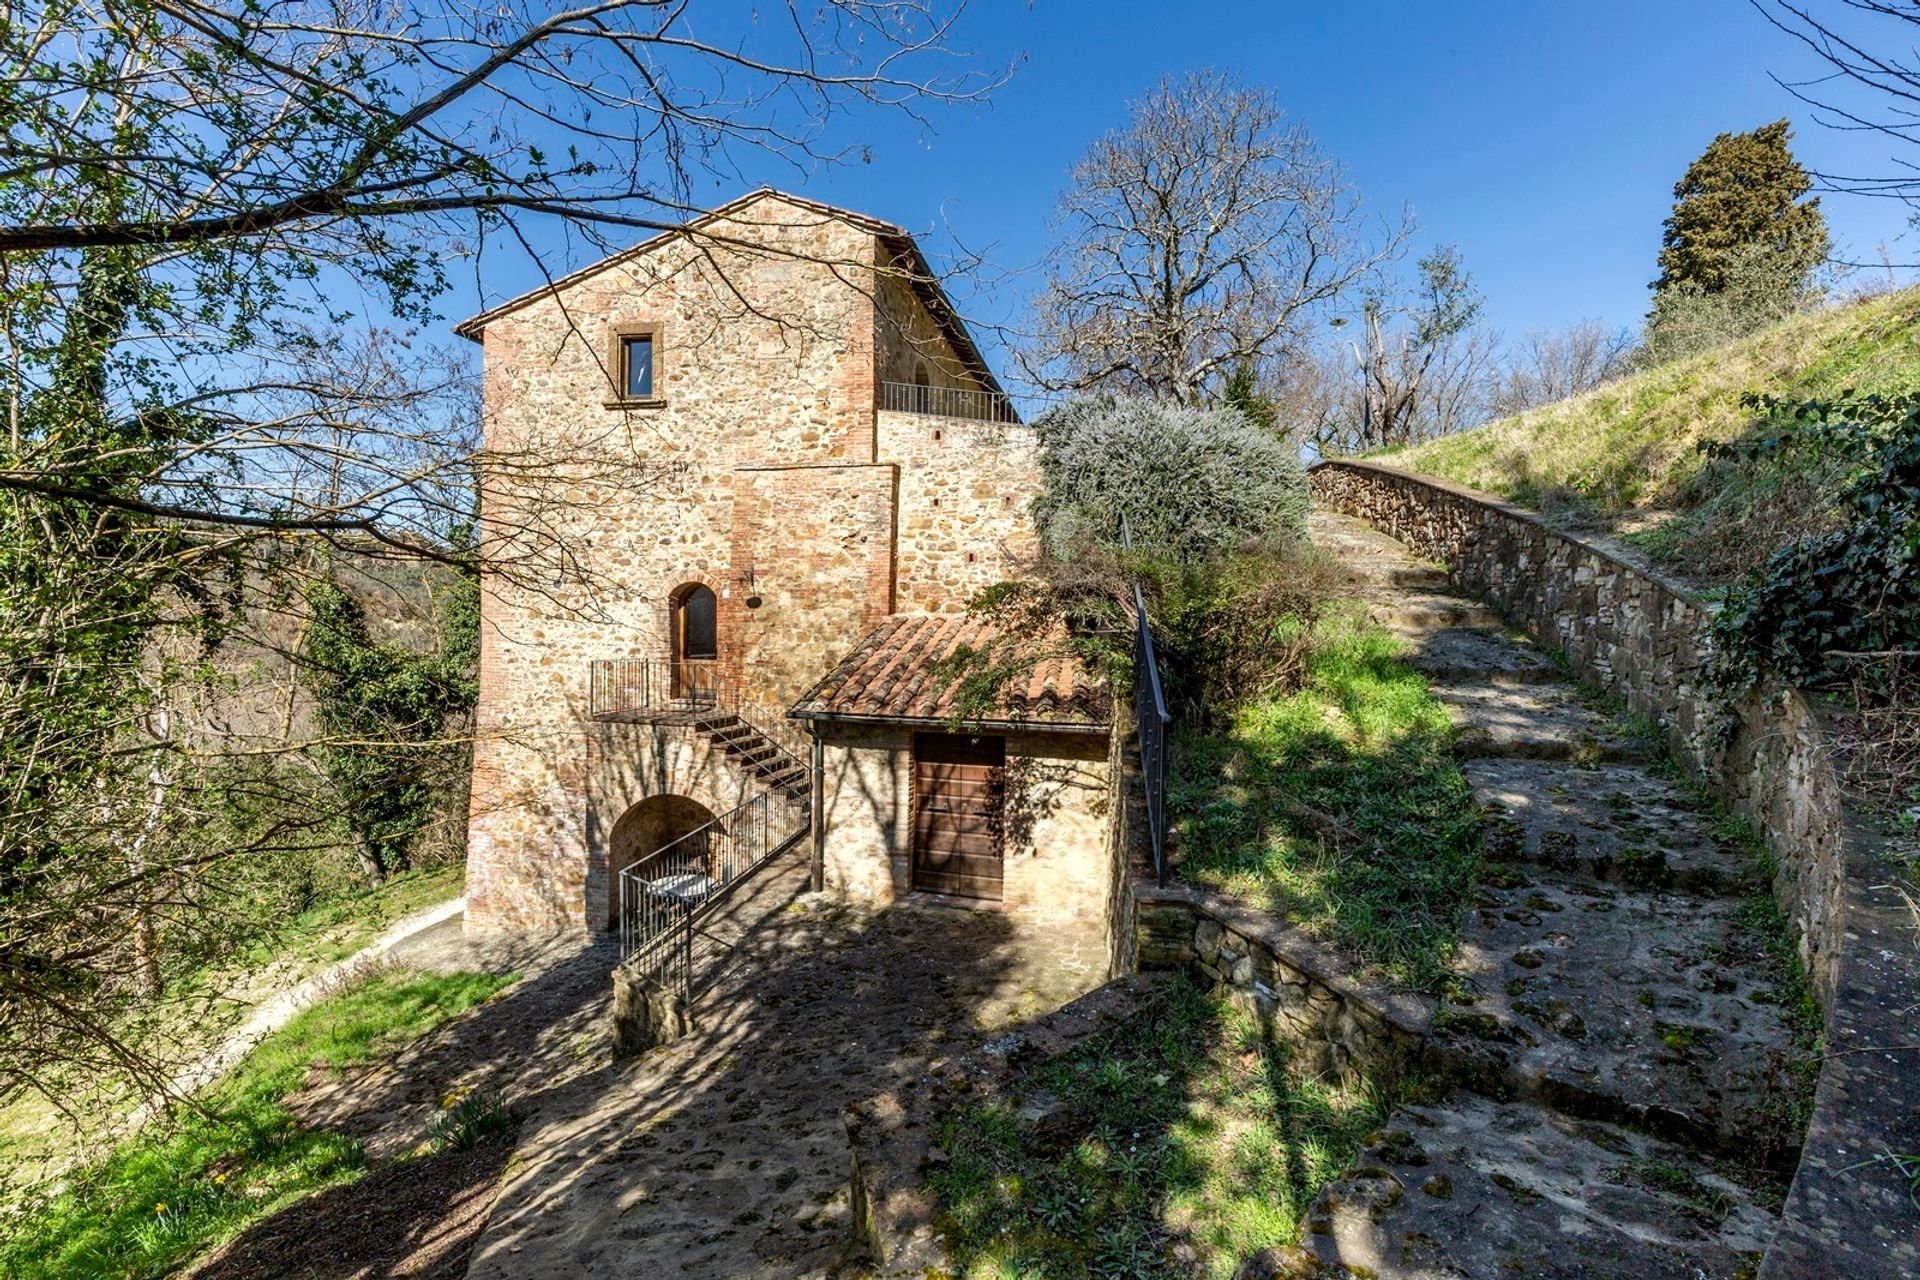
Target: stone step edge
[(1379, 1011)]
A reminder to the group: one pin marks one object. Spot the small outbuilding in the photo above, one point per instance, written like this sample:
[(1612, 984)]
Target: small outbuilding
[(1007, 806)]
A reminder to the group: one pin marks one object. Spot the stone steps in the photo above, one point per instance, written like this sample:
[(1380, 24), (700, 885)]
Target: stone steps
[(1613, 823), (1534, 722), (1465, 654), (1649, 1008), (1610, 1052), (1418, 611), (1472, 1187)]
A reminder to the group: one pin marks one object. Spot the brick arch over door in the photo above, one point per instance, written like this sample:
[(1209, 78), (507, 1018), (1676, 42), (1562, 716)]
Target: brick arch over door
[(649, 825), (671, 589)]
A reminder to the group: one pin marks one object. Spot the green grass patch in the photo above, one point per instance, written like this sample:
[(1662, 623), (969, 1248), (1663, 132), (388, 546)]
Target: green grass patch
[(341, 926), (1185, 1147), (199, 1006), (1339, 806), (168, 1193), (1627, 455)]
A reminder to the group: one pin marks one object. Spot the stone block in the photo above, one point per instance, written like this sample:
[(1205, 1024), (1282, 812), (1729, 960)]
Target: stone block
[(646, 1014)]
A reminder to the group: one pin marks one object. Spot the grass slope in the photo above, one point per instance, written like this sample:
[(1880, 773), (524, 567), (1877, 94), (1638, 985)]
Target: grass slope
[(1338, 806), (199, 1008), (166, 1195), (1626, 455)]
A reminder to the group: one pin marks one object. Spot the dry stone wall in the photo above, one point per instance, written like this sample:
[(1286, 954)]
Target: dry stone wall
[(1296, 988), (1636, 633)]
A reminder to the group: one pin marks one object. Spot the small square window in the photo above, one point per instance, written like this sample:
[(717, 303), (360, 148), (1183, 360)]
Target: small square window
[(636, 367)]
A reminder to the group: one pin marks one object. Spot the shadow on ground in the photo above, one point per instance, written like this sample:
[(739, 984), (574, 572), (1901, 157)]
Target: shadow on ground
[(721, 1155), (417, 1219), (724, 1155)]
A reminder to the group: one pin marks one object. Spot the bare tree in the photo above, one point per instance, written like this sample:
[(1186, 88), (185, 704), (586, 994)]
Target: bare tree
[(1873, 83), (1202, 236), (218, 224), (1419, 366), (1549, 365)]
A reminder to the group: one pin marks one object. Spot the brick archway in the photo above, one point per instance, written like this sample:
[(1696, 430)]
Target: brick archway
[(646, 826)]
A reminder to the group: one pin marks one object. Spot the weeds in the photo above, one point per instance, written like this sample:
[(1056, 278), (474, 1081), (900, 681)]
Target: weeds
[(165, 1195), (1905, 1166), (467, 1118), (1339, 805), (1185, 1147)]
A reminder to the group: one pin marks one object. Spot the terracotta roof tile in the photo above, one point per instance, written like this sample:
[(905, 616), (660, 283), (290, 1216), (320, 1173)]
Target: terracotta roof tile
[(889, 676)]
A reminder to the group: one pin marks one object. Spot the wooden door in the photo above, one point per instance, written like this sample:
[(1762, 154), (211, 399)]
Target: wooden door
[(959, 814), (696, 644)]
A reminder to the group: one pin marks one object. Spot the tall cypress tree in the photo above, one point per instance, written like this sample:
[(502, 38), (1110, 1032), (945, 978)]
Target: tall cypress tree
[(1745, 195)]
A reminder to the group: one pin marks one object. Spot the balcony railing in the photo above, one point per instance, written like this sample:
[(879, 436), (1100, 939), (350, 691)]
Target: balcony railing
[(948, 402), (689, 690)]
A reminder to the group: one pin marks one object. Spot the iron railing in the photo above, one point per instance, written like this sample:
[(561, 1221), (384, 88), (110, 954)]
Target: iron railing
[(948, 402), (1150, 721), (692, 690), (664, 895)]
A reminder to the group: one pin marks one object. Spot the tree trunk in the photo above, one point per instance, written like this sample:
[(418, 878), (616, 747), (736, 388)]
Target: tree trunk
[(371, 863)]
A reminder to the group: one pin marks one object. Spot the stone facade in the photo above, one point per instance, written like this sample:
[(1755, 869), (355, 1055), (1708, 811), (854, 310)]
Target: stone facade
[(763, 468), (1636, 633), (1058, 800)]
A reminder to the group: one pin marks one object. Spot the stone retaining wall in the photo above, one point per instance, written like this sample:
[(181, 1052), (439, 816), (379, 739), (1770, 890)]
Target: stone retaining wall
[(1635, 632), (1295, 987)]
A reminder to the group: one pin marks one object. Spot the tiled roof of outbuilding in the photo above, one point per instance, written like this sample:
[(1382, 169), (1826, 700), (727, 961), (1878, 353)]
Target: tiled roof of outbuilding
[(890, 676)]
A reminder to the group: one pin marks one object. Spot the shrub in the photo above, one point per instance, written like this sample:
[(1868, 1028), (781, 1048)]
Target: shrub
[(1825, 602), (1191, 482), (1217, 509), (466, 1119), (1234, 625), (1763, 284)]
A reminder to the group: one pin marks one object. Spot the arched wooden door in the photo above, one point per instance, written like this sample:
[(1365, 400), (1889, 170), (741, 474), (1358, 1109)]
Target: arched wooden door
[(696, 642)]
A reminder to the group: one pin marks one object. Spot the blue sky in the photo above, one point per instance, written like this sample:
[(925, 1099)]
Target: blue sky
[(1542, 138)]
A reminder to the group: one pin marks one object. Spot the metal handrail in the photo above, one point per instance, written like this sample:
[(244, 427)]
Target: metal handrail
[(664, 893), (1150, 719), (693, 688), (948, 402)]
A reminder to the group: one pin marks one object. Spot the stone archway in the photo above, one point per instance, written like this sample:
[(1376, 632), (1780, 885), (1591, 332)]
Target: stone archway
[(649, 825)]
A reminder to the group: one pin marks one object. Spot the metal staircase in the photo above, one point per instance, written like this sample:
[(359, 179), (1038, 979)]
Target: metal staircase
[(756, 740)]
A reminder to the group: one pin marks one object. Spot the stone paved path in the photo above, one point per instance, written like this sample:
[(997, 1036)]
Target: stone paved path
[(723, 1155), (1616, 1048)]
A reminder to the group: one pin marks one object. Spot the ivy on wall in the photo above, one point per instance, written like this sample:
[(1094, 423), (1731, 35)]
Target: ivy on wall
[(1825, 605), (384, 711)]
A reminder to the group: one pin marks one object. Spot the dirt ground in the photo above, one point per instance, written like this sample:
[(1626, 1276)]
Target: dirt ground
[(723, 1154), (417, 1219)]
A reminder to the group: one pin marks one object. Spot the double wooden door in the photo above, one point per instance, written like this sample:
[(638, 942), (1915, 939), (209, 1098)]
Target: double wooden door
[(959, 814)]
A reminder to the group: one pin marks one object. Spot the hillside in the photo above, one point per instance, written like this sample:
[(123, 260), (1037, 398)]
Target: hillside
[(1625, 457)]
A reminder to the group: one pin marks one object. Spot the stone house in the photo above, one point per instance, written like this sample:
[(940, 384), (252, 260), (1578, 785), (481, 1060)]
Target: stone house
[(782, 468)]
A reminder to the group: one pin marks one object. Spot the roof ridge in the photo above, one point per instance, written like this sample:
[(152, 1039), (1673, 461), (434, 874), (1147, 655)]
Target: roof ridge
[(472, 325)]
